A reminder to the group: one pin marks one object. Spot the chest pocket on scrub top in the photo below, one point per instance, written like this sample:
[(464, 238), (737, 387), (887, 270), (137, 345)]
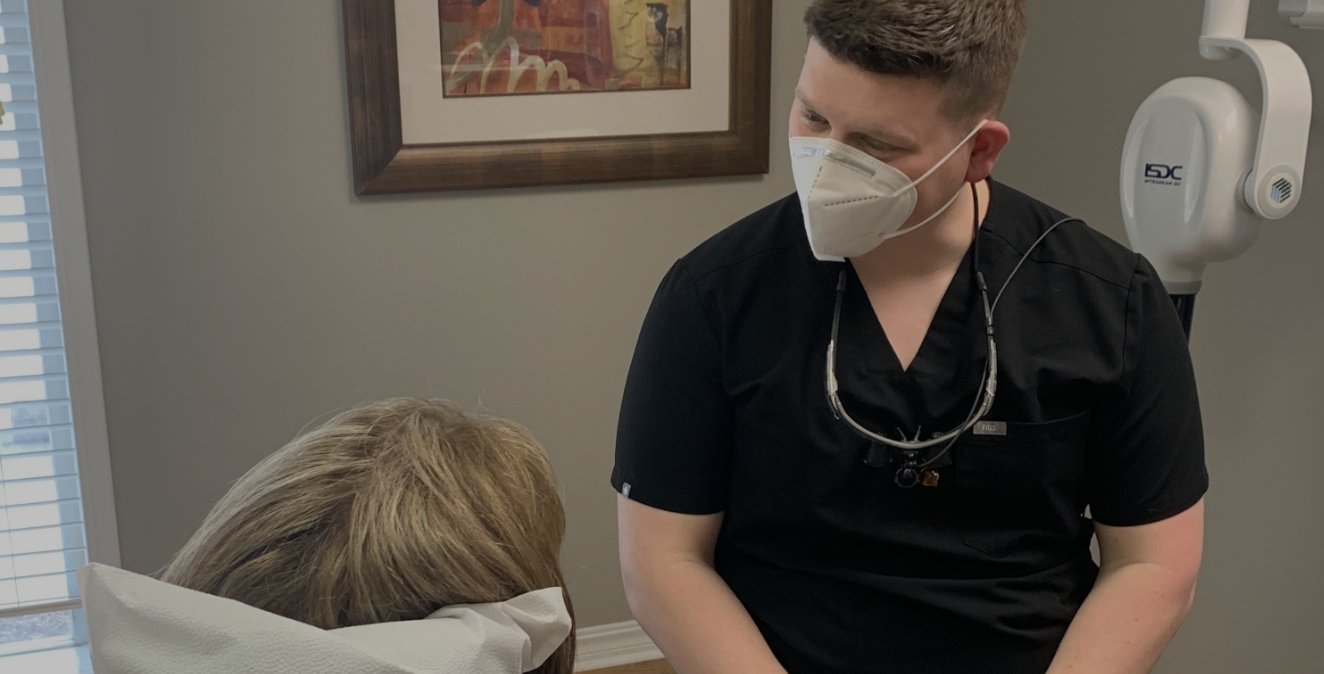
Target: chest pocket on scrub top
[(1024, 487)]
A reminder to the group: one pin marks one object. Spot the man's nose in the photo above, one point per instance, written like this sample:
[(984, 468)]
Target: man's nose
[(840, 136)]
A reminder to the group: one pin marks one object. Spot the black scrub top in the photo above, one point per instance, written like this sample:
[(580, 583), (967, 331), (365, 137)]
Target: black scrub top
[(842, 570)]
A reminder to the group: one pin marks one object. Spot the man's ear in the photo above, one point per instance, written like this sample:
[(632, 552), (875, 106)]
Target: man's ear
[(985, 148)]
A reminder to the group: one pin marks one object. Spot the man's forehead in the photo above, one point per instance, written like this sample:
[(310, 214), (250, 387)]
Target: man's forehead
[(901, 106), (861, 117)]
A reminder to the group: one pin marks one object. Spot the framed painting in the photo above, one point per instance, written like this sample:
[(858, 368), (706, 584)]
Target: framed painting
[(474, 94)]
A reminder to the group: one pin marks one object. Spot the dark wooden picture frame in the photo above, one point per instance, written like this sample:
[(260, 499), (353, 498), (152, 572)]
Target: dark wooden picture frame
[(383, 163)]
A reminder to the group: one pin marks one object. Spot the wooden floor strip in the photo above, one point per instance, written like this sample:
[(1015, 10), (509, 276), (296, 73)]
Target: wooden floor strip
[(654, 667)]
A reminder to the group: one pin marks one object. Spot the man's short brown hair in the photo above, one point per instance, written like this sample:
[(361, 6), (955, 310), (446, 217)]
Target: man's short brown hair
[(970, 46)]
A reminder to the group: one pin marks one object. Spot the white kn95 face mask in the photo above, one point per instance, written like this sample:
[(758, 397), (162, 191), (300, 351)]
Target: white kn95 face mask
[(851, 201)]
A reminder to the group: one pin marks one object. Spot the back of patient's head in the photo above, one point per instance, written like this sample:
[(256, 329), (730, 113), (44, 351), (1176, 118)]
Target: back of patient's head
[(387, 512)]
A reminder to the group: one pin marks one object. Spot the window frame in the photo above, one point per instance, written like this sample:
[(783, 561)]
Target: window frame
[(55, 105), (73, 273)]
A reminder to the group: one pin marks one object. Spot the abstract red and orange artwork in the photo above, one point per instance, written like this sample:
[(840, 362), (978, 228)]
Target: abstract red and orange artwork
[(515, 47)]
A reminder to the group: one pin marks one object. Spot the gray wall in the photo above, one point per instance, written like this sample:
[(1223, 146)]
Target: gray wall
[(1258, 324), (242, 290)]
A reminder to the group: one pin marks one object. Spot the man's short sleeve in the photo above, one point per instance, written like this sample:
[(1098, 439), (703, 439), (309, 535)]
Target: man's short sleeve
[(674, 438), (1147, 453)]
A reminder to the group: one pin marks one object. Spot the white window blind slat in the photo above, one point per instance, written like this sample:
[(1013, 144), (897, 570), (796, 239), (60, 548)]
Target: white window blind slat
[(26, 416), (24, 290), (16, 35), (47, 426), (21, 176), (47, 560), (39, 440), (33, 389), (12, 437), (46, 539), (21, 273), (30, 135), (29, 337), (31, 263), (19, 149), (26, 245), (37, 590), (53, 444), (25, 339), (34, 312), (32, 365), (41, 530), (36, 492), (16, 62), (24, 125), (13, 119), (27, 590), (30, 416), (29, 311), (34, 257), (22, 204), (24, 293), (37, 515), (21, 172), (37, 191), (25, 231), (19, 94), (18, 80), (37, 503), (34, 566), (16, 488), (52, 351), (29, 299), (37, 255), (38, 465)]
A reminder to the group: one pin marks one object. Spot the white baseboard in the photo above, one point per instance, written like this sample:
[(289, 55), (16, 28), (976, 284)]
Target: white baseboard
[(613, 645)]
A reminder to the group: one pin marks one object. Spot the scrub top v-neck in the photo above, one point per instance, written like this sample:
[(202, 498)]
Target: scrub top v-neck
[(841, 569), (899, 400)]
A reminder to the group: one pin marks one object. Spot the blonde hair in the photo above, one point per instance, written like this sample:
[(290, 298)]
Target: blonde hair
[(386, 512), (970, 46)]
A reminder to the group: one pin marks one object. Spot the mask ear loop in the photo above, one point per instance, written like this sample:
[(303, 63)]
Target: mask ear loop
[(940, 211), (925, 221), (914, 183)]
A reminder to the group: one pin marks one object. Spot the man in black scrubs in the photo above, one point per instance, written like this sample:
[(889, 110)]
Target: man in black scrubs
[(787, 505)]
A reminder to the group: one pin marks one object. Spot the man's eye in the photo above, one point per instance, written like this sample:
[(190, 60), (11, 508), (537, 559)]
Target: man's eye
[(814, 118), (878, 147)]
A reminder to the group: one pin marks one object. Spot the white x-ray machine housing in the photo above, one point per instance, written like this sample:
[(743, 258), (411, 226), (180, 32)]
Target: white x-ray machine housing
[(1201, 168)]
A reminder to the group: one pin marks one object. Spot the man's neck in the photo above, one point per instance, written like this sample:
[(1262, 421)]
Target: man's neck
[(936, 248)]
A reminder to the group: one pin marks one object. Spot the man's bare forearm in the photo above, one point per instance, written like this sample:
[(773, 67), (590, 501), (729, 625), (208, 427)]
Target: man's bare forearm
[(700, 625), (1126, 622)]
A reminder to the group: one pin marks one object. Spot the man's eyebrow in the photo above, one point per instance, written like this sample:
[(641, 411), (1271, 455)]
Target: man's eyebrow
[(889, 137), (804, 100)]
